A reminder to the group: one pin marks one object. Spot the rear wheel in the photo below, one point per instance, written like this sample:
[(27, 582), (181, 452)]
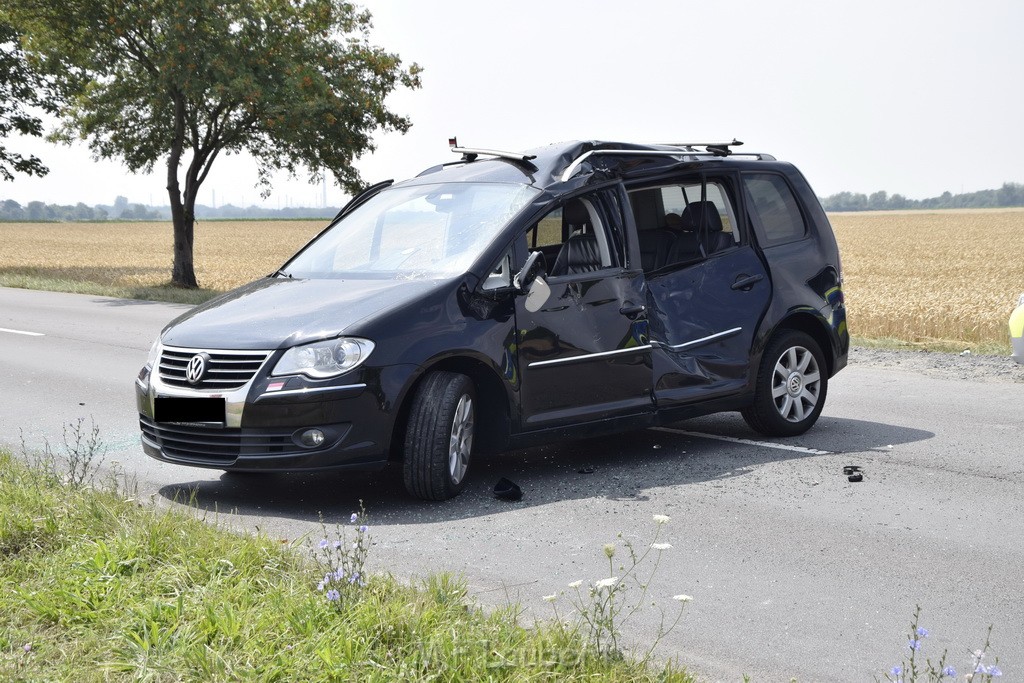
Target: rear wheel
[(791, 386), (439, 436)]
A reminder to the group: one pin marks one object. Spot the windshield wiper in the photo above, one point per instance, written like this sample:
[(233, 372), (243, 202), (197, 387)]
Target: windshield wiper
[(280, 273)]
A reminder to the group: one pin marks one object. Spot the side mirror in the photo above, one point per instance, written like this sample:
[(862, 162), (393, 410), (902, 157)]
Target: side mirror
[(534, 264)]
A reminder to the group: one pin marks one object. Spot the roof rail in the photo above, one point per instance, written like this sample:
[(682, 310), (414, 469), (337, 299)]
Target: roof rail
[(470, 153), (717, 148), (686, 149)]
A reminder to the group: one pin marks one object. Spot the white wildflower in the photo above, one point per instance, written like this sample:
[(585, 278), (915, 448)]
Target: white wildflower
[(575, 584), (661, 519), (682, 598), (661, 546), (550, 598), (606, 583)]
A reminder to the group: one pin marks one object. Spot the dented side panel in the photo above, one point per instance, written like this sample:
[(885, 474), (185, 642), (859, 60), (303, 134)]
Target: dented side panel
[(583, 354), (702, 329)]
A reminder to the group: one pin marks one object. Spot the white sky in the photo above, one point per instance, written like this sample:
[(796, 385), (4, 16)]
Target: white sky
[(910, 97)]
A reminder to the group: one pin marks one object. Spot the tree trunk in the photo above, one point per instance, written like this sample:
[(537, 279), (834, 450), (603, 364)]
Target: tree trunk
[(183, 273)]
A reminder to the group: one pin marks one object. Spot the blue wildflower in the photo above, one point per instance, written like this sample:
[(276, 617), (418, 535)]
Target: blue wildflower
[(895, 671), (949, 671), (336, 544), (915, 644), (922, 632), (333, 595), (27, 647), (339, 574), (363, 529), (353, 519), (994, 671), (323, 544)]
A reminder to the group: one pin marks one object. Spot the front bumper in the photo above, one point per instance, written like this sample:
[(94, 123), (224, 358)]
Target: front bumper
[(264, 421)]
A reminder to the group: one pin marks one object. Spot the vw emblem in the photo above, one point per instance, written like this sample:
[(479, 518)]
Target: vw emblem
[(196, 368)]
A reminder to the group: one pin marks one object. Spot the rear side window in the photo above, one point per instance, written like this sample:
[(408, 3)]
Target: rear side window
[(776, 207), (684, 222)]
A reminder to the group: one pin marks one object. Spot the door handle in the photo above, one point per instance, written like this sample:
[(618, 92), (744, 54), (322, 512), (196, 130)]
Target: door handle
[(631, 310), (747, 282)]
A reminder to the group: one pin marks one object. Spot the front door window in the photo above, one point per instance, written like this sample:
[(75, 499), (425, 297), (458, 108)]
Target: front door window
[(583, 348)]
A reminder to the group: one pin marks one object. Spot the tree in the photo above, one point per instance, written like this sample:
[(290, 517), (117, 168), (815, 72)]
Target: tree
[(11, 210), (20, 90), (38, 211), (296, 83)]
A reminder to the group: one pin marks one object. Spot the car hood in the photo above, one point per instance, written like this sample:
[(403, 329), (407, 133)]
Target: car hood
[(281, 312)]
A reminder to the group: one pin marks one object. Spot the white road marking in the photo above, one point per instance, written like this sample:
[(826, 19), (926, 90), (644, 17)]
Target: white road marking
[(748, 442), (28, 334)]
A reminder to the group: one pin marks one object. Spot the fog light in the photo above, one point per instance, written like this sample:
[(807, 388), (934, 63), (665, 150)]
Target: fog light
[(311, 438)]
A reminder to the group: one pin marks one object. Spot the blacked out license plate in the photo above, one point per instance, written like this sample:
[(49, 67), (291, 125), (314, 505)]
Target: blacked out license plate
[(179, 409)]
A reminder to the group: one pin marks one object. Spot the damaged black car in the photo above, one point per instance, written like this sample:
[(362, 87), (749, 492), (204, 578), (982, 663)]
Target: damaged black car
[(511, 299)]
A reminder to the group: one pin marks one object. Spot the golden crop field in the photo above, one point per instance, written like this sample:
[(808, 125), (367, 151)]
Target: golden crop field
[(917, 276), (138, 255), (923, 276)]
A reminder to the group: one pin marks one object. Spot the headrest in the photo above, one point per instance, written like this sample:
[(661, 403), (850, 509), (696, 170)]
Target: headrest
[(692, 216), (575, 213)]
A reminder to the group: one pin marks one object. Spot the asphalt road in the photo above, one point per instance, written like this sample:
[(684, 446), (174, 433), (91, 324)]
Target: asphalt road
[(794, 571)]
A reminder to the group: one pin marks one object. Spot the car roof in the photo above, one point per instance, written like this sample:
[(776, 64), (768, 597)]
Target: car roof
[(578, 162)]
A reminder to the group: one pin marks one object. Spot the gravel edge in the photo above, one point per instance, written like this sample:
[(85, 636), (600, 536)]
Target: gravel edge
[(965, 366)]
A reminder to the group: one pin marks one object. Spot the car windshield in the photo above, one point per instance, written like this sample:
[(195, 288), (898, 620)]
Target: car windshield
[(421, 231)]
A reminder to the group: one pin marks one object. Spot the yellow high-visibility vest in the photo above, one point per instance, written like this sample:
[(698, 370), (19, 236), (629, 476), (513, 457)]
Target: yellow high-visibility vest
[(1017, 322)]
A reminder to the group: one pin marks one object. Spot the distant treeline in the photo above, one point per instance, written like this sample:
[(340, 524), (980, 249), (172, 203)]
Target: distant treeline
[(122, 210), (1010, 194)]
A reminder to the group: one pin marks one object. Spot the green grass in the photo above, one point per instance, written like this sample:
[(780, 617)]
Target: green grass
[(101, 587), (169, 293)]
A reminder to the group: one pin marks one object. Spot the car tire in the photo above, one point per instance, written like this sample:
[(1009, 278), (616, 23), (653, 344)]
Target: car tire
[(791, 386), (439, 436)]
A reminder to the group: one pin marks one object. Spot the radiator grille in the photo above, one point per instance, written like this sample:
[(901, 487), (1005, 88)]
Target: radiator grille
[(224, 369)]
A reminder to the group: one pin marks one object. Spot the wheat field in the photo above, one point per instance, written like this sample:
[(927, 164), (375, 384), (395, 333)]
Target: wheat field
[(917, 276), (927, 276), (139, 255)]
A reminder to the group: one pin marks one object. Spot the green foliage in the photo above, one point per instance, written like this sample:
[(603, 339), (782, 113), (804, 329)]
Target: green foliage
[(296, 83), (21, 89)]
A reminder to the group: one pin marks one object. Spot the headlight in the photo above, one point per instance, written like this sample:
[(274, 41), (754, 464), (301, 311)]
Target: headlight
[(324, 359), (154, 354)]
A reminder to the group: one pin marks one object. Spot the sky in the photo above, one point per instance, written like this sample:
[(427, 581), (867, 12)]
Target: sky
[(911, 97)]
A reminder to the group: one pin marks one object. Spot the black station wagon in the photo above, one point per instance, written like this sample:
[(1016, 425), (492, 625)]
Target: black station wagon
[(508, 299)]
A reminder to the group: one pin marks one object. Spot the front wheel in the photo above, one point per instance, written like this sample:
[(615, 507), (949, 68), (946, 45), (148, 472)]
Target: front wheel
[(791, 386), (439, 436)]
